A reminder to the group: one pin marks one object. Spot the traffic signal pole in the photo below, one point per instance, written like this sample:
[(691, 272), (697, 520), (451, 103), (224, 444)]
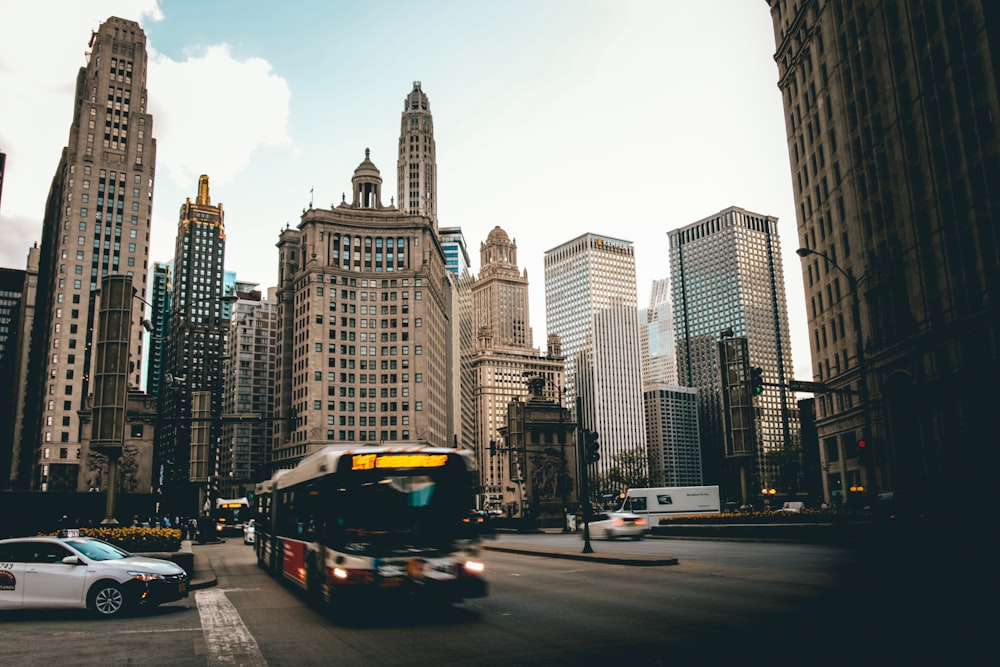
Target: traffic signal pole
[(581, 449), (585, 484)]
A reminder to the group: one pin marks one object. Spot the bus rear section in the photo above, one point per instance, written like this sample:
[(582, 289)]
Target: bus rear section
[(351, 525), (673, 501)]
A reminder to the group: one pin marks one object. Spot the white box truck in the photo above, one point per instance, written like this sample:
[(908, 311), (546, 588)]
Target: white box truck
[(671, 501)]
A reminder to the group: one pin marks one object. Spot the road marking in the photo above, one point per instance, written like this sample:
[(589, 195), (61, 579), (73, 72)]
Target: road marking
[(226, 637)]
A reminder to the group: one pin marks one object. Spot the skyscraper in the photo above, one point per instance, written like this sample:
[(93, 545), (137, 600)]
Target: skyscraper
[(502, 362), (590, 303), (365, 330), (894, 146), (659, 360), (158, 325), (416, 166), (248, 390), (727, 280), (463, 415), (17, 466), (97, 222), (672, 435), (193, 346)]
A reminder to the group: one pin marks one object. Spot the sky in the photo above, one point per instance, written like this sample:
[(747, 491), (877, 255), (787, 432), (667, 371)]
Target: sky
[(552, 118)]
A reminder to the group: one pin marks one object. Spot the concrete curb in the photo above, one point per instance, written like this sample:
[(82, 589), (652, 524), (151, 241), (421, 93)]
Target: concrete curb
[(567, 554)]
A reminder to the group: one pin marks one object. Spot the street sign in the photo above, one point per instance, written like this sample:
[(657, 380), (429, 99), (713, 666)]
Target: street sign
[(814, 387)]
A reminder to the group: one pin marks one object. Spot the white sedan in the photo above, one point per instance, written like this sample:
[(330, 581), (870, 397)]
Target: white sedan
[(250, 532), (86, 573), (618, 524)]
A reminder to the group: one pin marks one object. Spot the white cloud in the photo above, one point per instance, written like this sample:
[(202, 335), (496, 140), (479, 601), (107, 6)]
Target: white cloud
[(211, 112)]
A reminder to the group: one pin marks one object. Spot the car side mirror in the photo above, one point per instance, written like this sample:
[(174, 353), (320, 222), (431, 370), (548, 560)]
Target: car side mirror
[(71, 560)]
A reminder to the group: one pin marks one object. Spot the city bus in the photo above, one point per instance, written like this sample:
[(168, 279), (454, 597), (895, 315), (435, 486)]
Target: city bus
[(350, 522), (230, 515)]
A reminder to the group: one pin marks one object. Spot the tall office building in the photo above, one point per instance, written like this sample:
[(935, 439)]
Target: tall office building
[(157, 325), (502, 362), (14, 465), (463, 415), (656, 337), (672, 435), (590, 303), (364, 326), (193, 347), (727, 281), (248, 390), (97, 222), (17, 292), (891, 114), (416, 166)]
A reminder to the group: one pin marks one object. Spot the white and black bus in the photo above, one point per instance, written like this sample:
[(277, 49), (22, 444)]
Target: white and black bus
[(349, 521)]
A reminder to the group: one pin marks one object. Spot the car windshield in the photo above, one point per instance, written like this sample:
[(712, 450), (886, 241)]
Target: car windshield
[(97, 550)]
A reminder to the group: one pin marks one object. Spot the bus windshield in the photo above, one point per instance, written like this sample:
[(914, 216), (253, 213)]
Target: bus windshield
[(400, 513)]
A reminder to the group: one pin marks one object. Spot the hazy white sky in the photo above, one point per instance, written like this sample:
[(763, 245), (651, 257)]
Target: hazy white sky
[(552, 118)]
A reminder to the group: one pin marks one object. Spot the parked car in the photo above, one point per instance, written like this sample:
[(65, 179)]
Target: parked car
[(86, 573), (618, 524), (250, 532)]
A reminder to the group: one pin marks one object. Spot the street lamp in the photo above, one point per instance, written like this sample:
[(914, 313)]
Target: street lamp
[(852, 283)]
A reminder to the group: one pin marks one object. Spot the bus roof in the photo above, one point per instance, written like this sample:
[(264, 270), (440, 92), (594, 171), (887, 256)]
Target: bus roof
[(325, 461)]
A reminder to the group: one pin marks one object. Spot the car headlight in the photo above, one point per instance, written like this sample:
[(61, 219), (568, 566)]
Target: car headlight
[(474, 567), (146, 576)]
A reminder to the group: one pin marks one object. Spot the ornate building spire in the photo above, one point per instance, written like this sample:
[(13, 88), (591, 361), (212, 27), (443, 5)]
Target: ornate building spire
[(417, 164)]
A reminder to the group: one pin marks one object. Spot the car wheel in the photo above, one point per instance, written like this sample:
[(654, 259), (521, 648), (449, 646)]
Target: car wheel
[(107, 599)]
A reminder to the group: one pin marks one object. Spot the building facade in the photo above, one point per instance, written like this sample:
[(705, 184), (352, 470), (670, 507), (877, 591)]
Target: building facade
[(416, 165), (503, 360), (248, 390), (672, 435), (727, 281), (463, 417), (17, 312), (590, 303), (891, 111), (656, 337), (96, 223), (193, 350), (364, 327), (157, 325)]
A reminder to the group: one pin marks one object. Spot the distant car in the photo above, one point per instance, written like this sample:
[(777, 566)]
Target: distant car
[(618, 524), (477, 517), (792, 507), (85, 573), (250, 532)]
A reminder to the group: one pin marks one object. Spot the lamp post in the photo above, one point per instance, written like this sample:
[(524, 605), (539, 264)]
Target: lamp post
[(866, 428)]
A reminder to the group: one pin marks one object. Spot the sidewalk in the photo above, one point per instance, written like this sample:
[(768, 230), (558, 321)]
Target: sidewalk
[(202, 574)]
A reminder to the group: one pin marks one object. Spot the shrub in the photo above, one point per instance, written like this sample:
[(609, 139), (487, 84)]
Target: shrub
[(137, 540)]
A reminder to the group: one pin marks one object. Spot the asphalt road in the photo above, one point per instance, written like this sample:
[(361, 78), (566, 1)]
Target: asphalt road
[(766, 604)]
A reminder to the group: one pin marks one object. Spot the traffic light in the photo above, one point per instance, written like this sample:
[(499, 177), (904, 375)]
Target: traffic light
[(756, 381), (591, 446), (864, 452)]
